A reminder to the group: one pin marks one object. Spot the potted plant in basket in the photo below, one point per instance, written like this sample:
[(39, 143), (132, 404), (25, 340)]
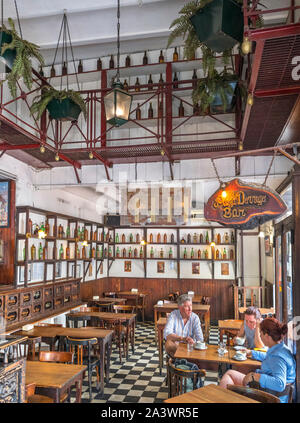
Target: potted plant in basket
[(62, 105), (17, 54)]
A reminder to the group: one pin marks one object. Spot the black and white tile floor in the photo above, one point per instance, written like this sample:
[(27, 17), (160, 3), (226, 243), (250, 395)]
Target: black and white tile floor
[(137, 380)]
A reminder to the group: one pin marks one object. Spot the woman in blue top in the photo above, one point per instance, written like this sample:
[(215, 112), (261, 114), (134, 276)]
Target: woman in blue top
[(278, 364)]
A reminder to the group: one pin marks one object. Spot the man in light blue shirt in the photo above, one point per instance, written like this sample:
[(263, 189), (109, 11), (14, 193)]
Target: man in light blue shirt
[(182, 326)]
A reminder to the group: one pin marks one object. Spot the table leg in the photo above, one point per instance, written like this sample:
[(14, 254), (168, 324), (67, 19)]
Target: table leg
[(160, 348), (133, 335), (102, 361), (78, 385), (155, 325), (127, 339), (108, 353), (207, 323)]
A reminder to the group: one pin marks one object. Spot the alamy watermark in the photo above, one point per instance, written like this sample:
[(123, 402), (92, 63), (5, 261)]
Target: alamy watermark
[(296, 69)]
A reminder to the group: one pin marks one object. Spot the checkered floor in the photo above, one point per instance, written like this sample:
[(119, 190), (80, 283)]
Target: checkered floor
[(137, 380)]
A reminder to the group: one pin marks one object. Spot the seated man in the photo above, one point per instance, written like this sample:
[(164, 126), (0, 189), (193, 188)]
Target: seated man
[(250, 328), (182, 326)]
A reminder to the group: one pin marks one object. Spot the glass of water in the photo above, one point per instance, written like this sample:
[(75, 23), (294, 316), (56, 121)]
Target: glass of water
[(222, 348)]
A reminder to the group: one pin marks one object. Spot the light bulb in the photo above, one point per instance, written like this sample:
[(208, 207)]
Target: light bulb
[(246, 46), (162, 152), (42, 149), (57, 157), (91, 155), (261, 234), (212, 244), (241, 147), (224, 194), (250, 100)]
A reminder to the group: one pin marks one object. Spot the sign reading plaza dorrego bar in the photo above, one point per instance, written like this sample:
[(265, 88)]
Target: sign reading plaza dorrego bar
[(242, 205)]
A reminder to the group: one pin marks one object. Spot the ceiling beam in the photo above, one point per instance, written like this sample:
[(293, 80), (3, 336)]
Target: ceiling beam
[(6, 147)]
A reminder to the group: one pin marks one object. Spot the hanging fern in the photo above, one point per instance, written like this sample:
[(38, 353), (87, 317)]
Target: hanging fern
[(22, 64), (48, 93)]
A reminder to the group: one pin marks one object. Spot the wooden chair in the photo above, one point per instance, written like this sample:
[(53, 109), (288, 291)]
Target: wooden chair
[(110, 294), (30, 347), (206, 300), (50, 341), (124, 308), (88, 360), (72, 321), (173, 296), (255, 394), (178, 379), (32, 397), (105, 306)]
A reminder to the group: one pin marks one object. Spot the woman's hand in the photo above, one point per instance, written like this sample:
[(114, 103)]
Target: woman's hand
[(248, 378), (189, 340)]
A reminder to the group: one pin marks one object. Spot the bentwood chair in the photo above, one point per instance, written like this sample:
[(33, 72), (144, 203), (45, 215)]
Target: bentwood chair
[(181, 381), (76, 321), (93, 363), (254, 394)]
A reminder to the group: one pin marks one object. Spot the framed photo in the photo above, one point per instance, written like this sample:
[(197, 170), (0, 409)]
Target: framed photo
[(225, 269), (196, 268), (4, 203), (160, 267), (127, 266), (58, 269), (268, 246)]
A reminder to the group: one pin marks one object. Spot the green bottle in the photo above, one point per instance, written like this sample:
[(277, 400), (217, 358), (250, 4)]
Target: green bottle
[(90, 252), (68, 232), (109, 252), (130, 252), (141, 252), (151, 252), (117, 252), (24, 254), (101, 252), (130, 238), (184, 254), (40, 253), (207, 238), (61, 252), (171, 253), (206, 254), (117, 238), (192, 253)]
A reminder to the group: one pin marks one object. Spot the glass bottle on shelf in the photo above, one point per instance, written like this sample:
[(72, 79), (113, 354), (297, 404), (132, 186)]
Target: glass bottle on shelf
[(192, 253), (117, 252), (83, 254), (30, 226), (125, 85), (141, 252), (145, 59), (232, 237), (184, 254), (101, 252), (40, 252), (231, 254), (195, 238), (124, 253), (151, 253), (130, 238), (182, 240), (80, 67), (52, 72), (137, 238), (97, 251), (47, 228), (172, 239), (111, 62), (135, 253), (95, 236), (189, 239), (218, 238), (226, 238), (60, 231), (151, 238), (86, 235), (68, 232), (150, 111), (123, 239), (117, 238), (161, 58), (161, 79), (129, 252), (158, 238), (207, 238), (109, 252), (68, 253), (107, 237), (110, 239), (170, 253), (61, 252), (64, 69), (45, 253), (160, 109), (99, 64), (181, 109), (138, 114), (93, 252), (105, 252), (194, 78), (137, 85), (77, 252), (127, 62), (217, 254), (102, 237), (224, 254), (33, 252), (175, 55), (201, 239), (165, 238), (199, 254), (150, 82), (206, 254), (161, 254), (175, 81), (53, 229)]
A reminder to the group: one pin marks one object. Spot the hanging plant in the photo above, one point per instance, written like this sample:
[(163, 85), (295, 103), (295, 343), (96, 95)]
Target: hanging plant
[(17, 54), (61, 105)]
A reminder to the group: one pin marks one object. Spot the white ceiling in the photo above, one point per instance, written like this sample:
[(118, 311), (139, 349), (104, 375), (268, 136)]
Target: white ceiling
[(93, 24)]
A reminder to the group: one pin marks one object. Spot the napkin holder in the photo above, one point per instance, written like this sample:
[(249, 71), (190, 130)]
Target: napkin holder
[(134, 290)]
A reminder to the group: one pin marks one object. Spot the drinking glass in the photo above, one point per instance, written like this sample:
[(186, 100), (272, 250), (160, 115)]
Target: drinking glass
[(190, 347), (222, 347)]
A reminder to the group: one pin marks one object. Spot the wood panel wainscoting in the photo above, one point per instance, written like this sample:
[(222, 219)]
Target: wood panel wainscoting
[(269, 294), (220, 291)]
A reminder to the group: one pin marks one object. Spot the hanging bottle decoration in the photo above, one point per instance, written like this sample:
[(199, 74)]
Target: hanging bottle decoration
[(99, 64), (175, 55), (80, 66), (145, 59), (111, 62)]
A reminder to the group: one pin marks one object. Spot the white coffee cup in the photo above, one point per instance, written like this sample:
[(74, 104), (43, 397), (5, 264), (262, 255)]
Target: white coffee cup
[(160, 303), (240, 355), (96, 297), (239, 340), (201, 345)]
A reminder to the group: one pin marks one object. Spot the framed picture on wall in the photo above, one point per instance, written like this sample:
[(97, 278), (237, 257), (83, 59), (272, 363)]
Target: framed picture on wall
[(196, 268), (225, 269), (4, 203), (127, 266), (160, 267), (268, 246)]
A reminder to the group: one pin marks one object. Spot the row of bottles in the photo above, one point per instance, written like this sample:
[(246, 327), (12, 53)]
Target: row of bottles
[(218, 254), (162, 238), (42, 253), (131, 253), (225, 239), (150, 114), (64, 69), (224, 254), (196, 239)]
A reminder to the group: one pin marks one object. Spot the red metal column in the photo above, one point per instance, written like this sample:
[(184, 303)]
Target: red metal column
[(103, 117), (169, 104)]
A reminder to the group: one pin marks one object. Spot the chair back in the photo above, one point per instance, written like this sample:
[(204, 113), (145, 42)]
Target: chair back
[(205, 300), (181, 381), (109, 294), (80, 344), (72, 321), (89, 309), (105, 306), (124, 308), (29, 390), (56, 356), (254, 394)]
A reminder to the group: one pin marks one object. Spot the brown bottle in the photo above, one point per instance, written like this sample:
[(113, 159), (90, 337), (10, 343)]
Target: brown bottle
[(175, 55), (68, 253), (189, 239), (93, 252), (45, 253), (47, 228), (137, 85), (127, 62), (137, 238), (33, 252), (150, 82), (199, 254), (86, 236), (124, 253), (135, 253), (231, 255), (175, 79), (158, 238), (161, 80), (217, 254), (123, 238), (60, 231), (102, 237), (201, 239), (80, 67), (151, 238), (161, 254), (95, 236), (52, 72), (125, 85), (165, 238), (30, 226), (111, 62), (181, 109), (99, 64), (64, 69), (138, 114), (161, 57), (194, 78), (83, 253), (150, 111), (145, 59)]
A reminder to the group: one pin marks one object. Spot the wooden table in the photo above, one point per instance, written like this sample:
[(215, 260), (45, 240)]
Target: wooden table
[(199, 309), (103, 300), (209, 359), (55, 378), (233, 325), (160, 325), (262, 310), (127, 318), (210, 394), (104, 337), (138, 297)]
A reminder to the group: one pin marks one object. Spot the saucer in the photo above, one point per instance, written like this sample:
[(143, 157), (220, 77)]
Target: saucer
[(200, 349), (239, 359), (239, 347)]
